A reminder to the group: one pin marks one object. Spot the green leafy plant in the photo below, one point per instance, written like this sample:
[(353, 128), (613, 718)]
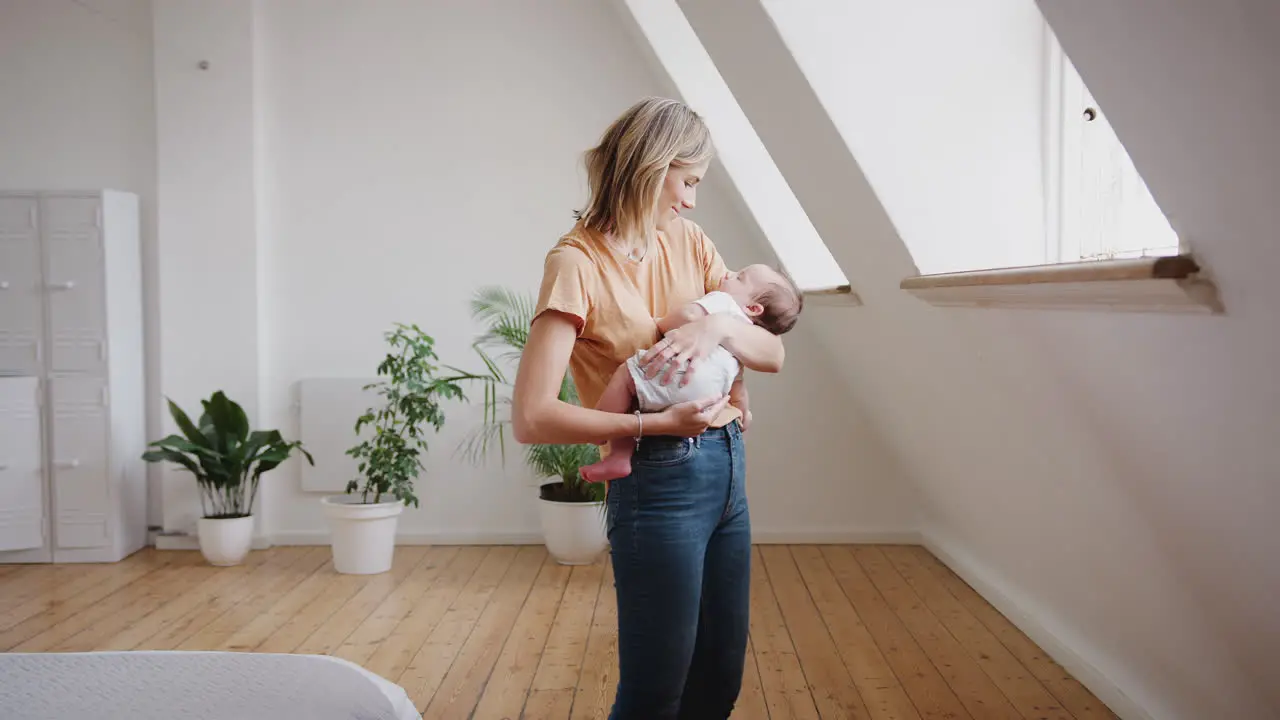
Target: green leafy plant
[(227, 459), (412, 392), (507, 316)]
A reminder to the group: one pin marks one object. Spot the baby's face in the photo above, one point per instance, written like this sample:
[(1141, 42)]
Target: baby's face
[(746, 284)]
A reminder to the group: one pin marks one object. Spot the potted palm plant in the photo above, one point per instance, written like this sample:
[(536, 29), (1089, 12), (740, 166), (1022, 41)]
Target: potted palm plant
[(363, 521), (571, 510), (228, 462)]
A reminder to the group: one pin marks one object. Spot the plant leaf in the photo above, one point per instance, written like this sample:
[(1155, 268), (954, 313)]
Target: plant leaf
[(226, 458), (184, 423), (507, 316)]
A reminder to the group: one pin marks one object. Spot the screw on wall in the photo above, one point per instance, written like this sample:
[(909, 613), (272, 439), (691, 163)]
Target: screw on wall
[(203, 65)]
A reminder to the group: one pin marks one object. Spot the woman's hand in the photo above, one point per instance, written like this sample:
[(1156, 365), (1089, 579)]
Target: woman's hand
[(687, 419), (683, 349)]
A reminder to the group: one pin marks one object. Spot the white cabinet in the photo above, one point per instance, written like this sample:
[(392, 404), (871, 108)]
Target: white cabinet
[(21, 287), (22, 485), (72, 423)]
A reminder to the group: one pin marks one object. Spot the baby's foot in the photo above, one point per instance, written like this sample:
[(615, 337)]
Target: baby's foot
[(613, 467)]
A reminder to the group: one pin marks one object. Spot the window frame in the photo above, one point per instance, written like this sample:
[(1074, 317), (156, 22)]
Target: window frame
[(1118, 282), (1066, 94)]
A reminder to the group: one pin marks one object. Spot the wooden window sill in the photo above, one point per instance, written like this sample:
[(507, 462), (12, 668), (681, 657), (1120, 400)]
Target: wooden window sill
[(1157, 284), (841, 295)]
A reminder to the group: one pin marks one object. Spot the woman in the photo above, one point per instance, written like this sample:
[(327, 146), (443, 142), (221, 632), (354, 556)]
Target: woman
[(678, 525)]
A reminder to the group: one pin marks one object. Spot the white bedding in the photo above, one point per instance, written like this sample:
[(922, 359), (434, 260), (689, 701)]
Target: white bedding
[(155, 685)]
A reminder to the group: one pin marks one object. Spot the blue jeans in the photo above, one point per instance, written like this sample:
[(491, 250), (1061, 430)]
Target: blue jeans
[(681, 546)]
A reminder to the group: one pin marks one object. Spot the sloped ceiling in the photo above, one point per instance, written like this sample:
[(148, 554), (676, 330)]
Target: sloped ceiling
[(1113, 476)]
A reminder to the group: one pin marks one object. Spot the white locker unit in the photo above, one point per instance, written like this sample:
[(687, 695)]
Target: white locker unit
[(23, 495), (72, 409)]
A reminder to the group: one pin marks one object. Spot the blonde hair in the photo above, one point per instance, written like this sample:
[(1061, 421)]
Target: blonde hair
[(625, 171)]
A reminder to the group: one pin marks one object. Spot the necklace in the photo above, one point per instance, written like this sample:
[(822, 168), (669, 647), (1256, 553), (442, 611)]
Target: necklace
[(634, 254)]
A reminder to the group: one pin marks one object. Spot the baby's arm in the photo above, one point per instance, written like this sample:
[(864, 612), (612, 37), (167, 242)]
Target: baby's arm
[(686, 314), (683, 316)]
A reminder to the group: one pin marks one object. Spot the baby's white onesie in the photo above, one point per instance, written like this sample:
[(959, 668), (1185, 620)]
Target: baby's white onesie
[(714, 376)]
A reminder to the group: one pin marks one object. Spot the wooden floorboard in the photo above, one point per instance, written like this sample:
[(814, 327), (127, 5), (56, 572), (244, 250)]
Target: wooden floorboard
[(876, 632)]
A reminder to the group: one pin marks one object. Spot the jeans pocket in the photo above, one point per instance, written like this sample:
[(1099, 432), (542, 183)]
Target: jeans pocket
[(663, 452)]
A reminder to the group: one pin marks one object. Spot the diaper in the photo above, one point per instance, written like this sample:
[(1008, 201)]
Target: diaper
[(714, 377)]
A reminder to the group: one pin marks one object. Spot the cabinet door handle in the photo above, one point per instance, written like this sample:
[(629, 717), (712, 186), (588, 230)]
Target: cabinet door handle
[(65, 464), (63, 285)]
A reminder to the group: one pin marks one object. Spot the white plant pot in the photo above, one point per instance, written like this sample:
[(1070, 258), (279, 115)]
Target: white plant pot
[(225, 541), (573, 531), (363, 536)]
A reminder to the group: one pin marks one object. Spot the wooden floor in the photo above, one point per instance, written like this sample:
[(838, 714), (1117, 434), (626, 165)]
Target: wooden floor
[(502, 632)]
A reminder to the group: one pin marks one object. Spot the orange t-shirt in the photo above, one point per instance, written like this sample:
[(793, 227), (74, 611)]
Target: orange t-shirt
[(616, 301)]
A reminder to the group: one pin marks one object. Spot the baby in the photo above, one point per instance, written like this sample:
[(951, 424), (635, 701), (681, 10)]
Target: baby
[(756, 294)]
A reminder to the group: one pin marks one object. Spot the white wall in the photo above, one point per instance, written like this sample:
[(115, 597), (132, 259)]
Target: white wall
[(1111, 476), (415, 152), (1216, 172), (78, 113), (207, 197)]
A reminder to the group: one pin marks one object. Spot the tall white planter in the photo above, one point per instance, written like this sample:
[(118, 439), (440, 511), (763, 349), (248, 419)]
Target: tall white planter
[(225, 541), (573, 531), (363, 536)]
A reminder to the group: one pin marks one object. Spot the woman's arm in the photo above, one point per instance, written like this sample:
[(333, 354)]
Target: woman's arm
[(539, 416), (755, 347)]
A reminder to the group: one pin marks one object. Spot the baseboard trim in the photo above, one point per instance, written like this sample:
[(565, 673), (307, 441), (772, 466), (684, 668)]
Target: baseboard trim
[(761, 537), (310, 537), (183, 541), (1022, 616), (835, 536)]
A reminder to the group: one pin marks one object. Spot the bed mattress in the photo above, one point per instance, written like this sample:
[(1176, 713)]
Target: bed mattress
[(147, 685)]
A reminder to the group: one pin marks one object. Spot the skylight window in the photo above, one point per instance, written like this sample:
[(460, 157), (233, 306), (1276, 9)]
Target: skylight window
[(1097, 205)]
